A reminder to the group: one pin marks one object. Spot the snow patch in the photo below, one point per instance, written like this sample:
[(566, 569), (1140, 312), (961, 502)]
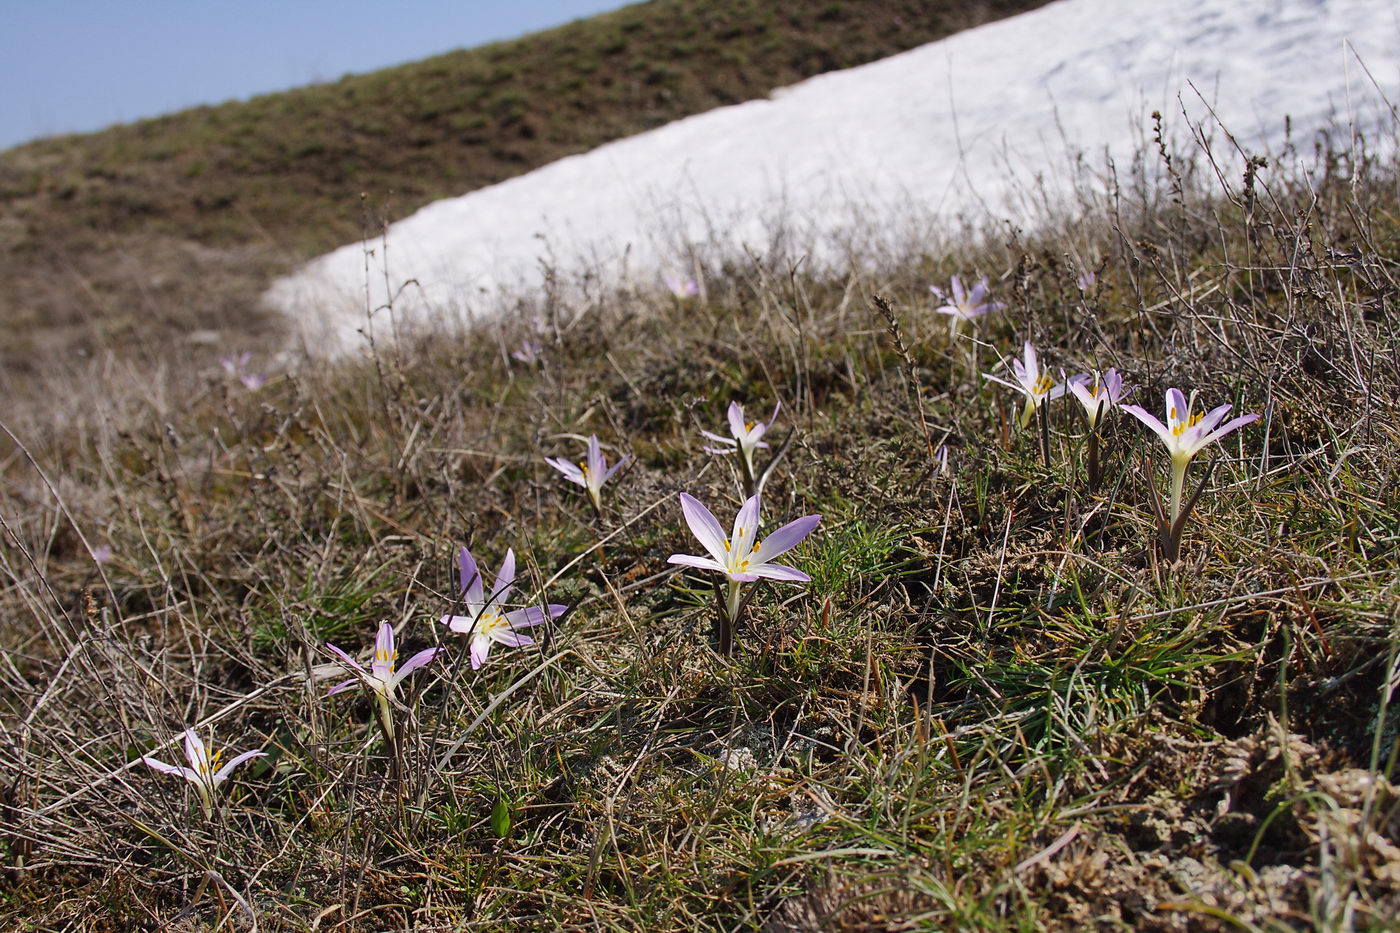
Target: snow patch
[(968, 124)]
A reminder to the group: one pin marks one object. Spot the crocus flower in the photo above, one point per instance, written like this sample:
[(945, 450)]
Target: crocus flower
[(681, 288), (1086, 280), (592, 473), (529, 352), (741, 557), (101, 553), (747, 437), (237, 368), (1186, 435), (233, 365), (204, 771), (381, 679), (962, 305), (1035, 385), (1097, 393), (486, 620)]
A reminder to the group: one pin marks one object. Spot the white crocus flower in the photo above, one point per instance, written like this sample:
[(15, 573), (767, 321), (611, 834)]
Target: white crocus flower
[(1035, 385), (204, 771), (380, 678), (1097, 393), (486, 618), (592, 473), (741, 557), (1186, 434)]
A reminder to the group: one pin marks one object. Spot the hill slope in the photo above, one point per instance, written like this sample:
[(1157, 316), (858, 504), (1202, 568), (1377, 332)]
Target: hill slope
[(175, 224), (1013, 120)]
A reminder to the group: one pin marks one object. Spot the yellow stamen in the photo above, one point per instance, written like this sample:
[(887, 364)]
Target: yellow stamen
[(749, 426), (1181, 426), (1043, 385)]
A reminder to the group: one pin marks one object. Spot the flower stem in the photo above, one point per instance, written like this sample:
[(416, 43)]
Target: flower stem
[(1093, 460), (1027, 412), (1178, 484), (746, 467), (729, 620)]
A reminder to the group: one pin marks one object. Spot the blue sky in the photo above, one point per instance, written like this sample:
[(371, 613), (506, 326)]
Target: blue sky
[(78, 65)]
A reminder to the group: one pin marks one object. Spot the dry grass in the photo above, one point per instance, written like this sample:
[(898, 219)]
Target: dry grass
[(992, 708)]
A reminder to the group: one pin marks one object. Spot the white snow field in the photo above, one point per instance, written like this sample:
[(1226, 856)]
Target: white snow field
[(958, 126)]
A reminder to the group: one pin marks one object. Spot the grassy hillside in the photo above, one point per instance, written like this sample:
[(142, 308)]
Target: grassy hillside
[(995, 706), (105, 236)]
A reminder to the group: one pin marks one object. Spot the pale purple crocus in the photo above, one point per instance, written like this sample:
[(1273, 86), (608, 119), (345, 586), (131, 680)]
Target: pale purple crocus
[(747, 437), (381, 679), (233, 365), (101, 553), (486, 618), (681, 288), (961, 305), (591, 473), (1086, 280), (1035, 385), (528, 353), (204, 771), (741, 556), (1097, 393), (1185, 435), (237, 368)]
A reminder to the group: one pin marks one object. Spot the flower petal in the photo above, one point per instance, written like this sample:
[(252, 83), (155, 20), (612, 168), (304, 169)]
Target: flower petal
[(785, 538), (162, 767), (702, 563), (383, 649), (348, 661), (570, 470), (1162, 431), (195, 752), (222, 774), (470, 577), (704, 526), (343, 686), (780, 572), (594, 457), (1178, 409), (1229, 426), (481, 648), (459, 624), (736, 419), (745, 529), (412, 664), (511, 639), (1009, 385), (608, 474), (534, 615), (720, 440), (505, 578), (1212, 418)]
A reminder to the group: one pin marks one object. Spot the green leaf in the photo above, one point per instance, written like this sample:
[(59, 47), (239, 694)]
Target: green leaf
[(500, 819)]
